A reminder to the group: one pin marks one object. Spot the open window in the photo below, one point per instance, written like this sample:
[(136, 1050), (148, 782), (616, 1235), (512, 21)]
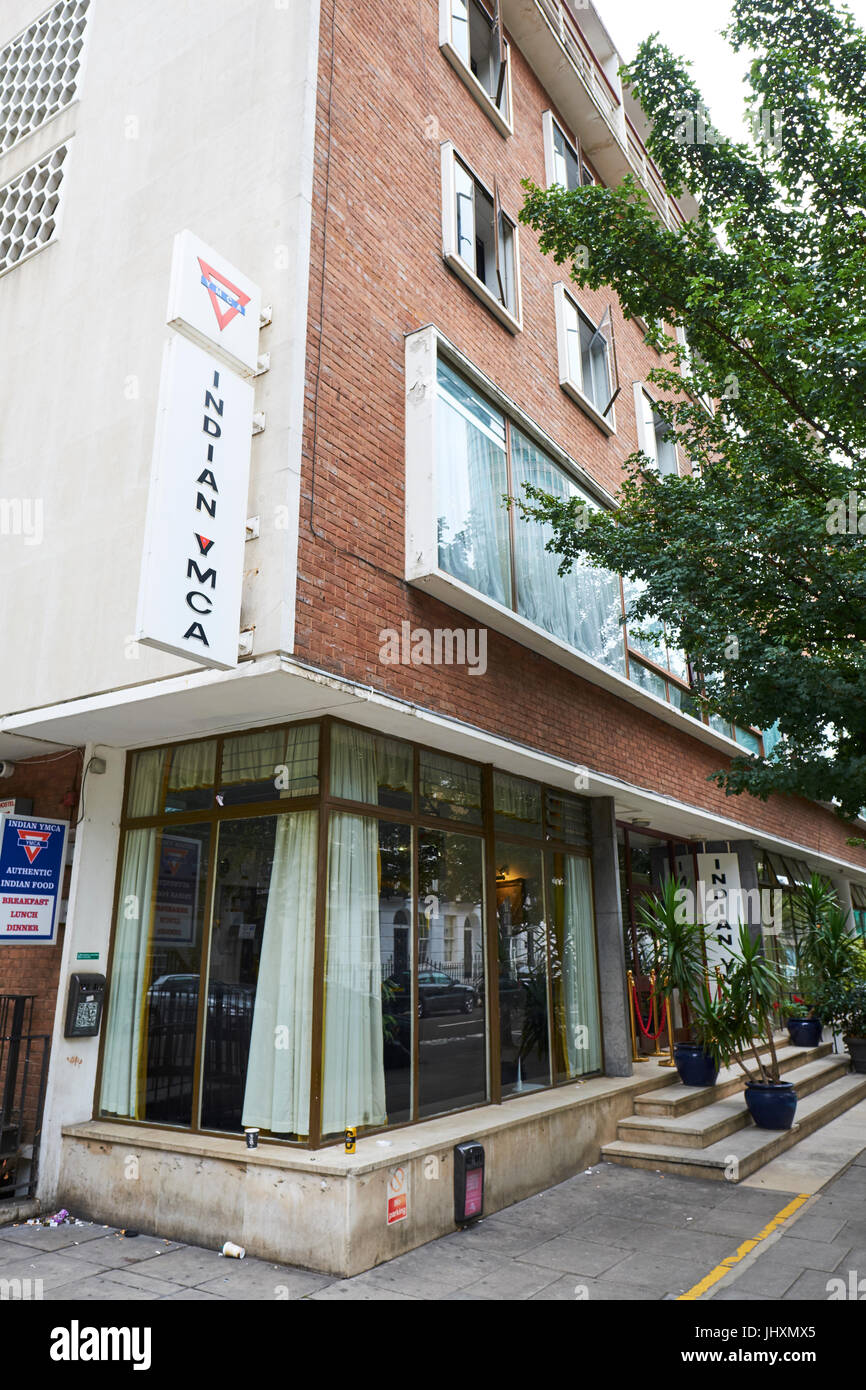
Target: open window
[(479, 239), (690, 357), (655, 436), (471, 37), (587, 359), (563, 159)]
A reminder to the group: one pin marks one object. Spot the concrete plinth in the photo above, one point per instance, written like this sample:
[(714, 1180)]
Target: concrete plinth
[(328, 1210)]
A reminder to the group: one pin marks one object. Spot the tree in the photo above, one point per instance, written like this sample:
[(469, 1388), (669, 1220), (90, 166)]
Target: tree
[(755, 562)]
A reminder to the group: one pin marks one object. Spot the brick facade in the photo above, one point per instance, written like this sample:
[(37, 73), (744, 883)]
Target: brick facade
[(377, 274), (52, 784)]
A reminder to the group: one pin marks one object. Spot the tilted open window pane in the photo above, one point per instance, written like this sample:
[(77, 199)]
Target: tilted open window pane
[(485, 238), (476, 39), (566, 166), (659, 441)]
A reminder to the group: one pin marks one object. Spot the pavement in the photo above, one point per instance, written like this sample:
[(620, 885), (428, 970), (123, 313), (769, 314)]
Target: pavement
[(609, 1233), (795, 1231)]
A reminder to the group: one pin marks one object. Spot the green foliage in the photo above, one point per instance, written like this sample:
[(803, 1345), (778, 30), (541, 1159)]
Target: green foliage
[(679, 946), (753, 987), (769, 282), (841, 1006)]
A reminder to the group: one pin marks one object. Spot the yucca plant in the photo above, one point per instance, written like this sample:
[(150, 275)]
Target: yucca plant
[(679, 943), (754, 985)]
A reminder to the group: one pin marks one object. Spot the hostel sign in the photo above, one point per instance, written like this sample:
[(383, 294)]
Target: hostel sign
[(192, 569), (213, 304), (32, 856)]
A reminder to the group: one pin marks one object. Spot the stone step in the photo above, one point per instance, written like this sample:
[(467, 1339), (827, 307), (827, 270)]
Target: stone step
[(697, 1129), (743, 1152), (678, 1099)]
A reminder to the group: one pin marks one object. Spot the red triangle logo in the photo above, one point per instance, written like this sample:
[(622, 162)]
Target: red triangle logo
[(227, 300), (204, 544)]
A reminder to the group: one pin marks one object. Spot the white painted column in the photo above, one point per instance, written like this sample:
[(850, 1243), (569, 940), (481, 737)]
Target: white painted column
[(72, 1070)]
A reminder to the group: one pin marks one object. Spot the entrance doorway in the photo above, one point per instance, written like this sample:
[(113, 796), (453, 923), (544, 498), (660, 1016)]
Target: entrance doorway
[(647, 858)]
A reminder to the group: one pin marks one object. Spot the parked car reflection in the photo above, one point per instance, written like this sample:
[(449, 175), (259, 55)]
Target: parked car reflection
[(437, 993)]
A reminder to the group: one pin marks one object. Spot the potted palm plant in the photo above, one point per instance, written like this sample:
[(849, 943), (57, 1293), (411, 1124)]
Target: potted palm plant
[(754, 985), (679, 964)]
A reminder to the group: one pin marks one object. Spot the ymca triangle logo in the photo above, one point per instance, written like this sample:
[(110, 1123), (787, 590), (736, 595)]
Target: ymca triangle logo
[(33, 842), (222, 292)]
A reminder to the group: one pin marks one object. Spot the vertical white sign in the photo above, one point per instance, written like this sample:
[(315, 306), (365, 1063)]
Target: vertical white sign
[(213, 304), (720, 905), (192, 569)]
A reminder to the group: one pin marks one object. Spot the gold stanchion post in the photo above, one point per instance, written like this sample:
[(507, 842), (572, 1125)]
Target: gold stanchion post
[(655, 1013), (635, 1055)]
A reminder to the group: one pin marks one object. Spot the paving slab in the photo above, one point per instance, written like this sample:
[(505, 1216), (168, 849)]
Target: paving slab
[(114, 1250), (53, 1237), (575, 1255), (264, 1282), (568, 1289)]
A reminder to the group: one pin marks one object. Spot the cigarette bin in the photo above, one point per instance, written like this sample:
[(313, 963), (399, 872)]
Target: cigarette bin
[(84, 1006), (468, 1182)]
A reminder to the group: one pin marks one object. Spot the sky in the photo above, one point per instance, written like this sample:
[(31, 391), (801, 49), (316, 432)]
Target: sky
[(691, 28)]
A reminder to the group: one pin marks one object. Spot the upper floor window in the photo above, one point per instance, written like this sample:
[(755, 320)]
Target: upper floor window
[(479, 239), (655, 436), (563, 161), (472, 39), (587, 359), (690, 357)]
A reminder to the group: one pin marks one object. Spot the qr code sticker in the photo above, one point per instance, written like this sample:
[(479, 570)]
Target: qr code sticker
[(87, 1015)]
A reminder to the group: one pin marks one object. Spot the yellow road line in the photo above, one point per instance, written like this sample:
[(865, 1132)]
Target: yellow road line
[(748, 1245)]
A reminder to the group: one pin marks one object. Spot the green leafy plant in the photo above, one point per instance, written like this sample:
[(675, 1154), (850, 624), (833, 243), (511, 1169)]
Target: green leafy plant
[(754, 985), (679, 946), (768, 282)]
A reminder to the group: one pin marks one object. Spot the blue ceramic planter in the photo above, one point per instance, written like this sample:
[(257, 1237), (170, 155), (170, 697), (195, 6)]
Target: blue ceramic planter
[(695, 1067), (805, 1032), (772, 1104)]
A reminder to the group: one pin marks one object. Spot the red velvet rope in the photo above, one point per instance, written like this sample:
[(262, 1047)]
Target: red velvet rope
[(645, 1027)]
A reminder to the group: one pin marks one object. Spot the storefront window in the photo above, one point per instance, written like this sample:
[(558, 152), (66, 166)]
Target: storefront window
[(452, 1067), (524, 1021), (149, 1062), (576, 1019), (246, 868)]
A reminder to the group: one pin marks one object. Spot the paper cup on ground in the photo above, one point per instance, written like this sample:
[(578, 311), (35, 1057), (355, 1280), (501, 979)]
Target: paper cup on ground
[(235, 1252)]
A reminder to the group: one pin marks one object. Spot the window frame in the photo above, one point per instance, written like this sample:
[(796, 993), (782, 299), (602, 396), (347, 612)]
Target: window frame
[(450, 239), (647, 446), (501, 117), (326, 803), (563, 299)]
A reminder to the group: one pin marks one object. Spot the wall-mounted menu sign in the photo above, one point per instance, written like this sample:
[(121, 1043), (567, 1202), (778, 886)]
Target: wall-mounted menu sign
[(32, 856)]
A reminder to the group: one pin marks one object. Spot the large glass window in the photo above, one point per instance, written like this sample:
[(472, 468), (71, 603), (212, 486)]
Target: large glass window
[(307, 949), (452, 1066), (149, 1062), (472, 479), (583, 607)]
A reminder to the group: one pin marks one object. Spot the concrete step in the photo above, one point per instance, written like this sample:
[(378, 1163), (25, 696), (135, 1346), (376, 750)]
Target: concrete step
[(697, 1129), (739, 1154), (678, 1099)]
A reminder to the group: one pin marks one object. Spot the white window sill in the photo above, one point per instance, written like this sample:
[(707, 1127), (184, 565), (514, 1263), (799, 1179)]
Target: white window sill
[(587, 407), (485, 101), (464, 599), (495, 305)]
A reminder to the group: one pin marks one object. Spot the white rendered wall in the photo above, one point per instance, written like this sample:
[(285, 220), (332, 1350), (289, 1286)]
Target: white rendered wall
[(72, 1070), (196, 115)]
